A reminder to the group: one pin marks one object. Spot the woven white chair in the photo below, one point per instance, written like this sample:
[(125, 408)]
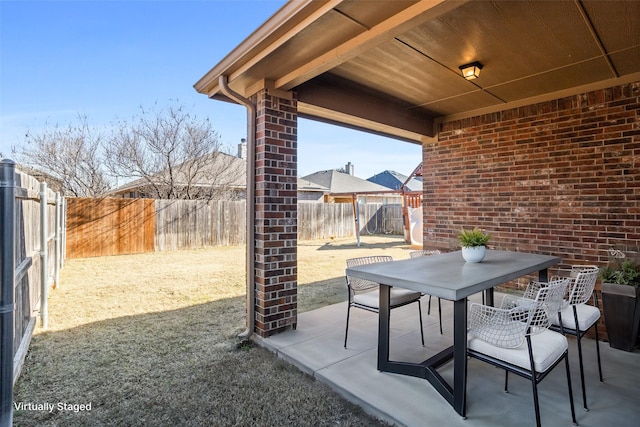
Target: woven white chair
[(365, 294), (427, 252), (576, 316), (516, 337)]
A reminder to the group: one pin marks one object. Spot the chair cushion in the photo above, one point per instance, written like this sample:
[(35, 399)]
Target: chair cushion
[(587, 316), (399, 296), (548, 347)]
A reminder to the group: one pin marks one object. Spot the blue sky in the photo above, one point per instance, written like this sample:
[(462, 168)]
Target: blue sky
[(105, 59)]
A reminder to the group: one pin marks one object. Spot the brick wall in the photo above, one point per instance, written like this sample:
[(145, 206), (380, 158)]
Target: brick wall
[(276, 214), (560, 177)]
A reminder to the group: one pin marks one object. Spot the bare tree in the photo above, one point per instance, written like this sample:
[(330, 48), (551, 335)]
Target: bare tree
[(69, 155), (173, 155)]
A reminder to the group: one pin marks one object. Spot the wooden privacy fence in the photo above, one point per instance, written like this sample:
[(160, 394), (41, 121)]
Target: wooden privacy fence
[(184, 224), (99, 227), (31, 255)]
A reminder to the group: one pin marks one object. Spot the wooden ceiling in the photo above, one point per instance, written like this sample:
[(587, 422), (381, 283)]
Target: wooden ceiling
[(392, 67)]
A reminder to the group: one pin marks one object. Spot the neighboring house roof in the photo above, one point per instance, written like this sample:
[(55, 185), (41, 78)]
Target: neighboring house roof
[(229, 171), (340, 182), (306, 185), (238, 180), (394, 180)]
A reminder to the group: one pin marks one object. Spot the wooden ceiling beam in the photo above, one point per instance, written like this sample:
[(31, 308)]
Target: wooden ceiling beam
[(387, 29), (356, 106)]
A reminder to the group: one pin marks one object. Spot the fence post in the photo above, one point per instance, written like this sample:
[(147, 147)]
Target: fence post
[(63, 245), (44, 273), (57, 241), (7, 265), (356, 216)]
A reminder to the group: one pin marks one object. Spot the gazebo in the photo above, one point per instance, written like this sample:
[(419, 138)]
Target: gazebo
[(528, 113)]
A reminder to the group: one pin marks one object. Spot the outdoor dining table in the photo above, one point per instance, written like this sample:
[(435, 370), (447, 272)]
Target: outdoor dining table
[(446, 276)]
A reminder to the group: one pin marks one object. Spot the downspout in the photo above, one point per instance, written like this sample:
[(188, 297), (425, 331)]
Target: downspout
[(251, 202)]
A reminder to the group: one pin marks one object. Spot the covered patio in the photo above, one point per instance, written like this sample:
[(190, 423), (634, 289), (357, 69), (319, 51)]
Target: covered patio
[(539, 145), (316, 347), (540, 149)]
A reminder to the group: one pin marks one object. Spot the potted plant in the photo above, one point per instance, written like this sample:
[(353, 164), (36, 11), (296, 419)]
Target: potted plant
[(474, 244), (620, 299)]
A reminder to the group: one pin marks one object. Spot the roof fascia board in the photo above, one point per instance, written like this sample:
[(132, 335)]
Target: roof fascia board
[(297, 28), (242, 58)]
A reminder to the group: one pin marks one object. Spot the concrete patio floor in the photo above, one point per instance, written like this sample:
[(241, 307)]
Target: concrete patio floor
[(316, 347)]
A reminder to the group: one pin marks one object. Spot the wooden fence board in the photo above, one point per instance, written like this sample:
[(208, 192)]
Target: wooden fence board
[(28, 262), (98, 227)]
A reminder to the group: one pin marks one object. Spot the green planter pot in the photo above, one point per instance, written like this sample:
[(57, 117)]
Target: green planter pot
[(621, 306)]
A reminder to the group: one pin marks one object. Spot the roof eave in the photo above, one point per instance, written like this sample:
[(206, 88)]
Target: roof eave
[(278, 29)]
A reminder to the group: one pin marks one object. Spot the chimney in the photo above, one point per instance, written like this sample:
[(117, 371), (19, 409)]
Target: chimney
[(242, 149), (349, 168)]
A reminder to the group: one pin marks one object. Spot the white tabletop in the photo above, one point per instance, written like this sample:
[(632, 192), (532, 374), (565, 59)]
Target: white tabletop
[(448, 276)]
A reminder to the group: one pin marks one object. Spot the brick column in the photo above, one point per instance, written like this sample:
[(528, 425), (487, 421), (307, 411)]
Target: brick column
[(276, 236)]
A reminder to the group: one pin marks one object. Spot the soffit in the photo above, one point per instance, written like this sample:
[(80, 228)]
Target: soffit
[(397, 62)]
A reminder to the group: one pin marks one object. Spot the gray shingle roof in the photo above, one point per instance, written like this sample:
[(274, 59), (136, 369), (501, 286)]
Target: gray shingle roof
[(306, 185), (228, 170), (340, 182), (394, 180)]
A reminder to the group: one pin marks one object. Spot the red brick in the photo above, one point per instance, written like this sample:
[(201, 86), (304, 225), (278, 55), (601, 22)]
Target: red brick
[(276, 204), (559, 177)]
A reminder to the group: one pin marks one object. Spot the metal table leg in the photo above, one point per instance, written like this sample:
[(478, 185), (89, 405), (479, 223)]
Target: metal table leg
[(459, 355), (383, 327)]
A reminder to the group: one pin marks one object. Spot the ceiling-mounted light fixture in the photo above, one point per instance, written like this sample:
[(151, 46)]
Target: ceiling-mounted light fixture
[(471, 71)]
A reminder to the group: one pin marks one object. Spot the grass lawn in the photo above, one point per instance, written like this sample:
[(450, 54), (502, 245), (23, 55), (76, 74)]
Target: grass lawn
[(151, 340)]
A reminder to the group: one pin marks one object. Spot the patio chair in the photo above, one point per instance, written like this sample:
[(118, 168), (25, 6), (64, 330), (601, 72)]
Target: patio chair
[(365, 294), (426, 252), (516, 338), (576, 317)]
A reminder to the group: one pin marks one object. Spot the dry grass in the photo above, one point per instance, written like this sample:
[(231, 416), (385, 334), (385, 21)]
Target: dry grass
[(151, 340)]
